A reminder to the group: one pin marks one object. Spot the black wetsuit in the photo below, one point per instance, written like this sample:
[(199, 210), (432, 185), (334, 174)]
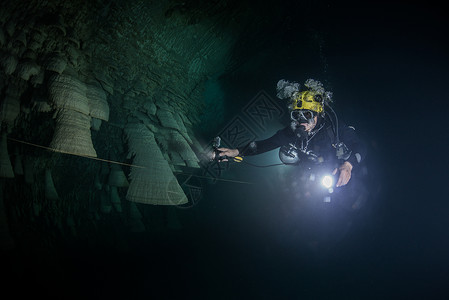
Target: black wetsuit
[(320, 142)]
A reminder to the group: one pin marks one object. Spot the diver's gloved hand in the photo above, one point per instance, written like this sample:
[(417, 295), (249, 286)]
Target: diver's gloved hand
[(225, 152), (345, 173)]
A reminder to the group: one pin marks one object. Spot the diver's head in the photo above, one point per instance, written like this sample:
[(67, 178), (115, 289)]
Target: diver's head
[(306, 107)]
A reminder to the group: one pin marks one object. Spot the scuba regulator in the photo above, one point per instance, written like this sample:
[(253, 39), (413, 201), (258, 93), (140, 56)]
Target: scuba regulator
[(291, 155)]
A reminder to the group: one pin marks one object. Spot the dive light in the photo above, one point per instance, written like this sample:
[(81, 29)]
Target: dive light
[(327, 181)]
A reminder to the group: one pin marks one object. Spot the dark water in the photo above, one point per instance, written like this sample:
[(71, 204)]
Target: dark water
[(387, 65)]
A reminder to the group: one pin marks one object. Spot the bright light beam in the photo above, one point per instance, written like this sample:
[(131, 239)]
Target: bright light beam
[(327, 181)]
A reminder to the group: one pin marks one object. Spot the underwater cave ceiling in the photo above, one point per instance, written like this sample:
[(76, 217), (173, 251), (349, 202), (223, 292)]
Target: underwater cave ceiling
[(115, 80)]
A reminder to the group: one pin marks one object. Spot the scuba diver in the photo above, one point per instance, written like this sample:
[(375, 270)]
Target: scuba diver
[(313, 137), (315, 143)]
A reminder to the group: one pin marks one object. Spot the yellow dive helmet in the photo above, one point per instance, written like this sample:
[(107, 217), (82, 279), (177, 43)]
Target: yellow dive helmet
[(309, 100)]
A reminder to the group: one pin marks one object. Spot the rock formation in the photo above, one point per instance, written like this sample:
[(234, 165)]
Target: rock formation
[(87, 78)]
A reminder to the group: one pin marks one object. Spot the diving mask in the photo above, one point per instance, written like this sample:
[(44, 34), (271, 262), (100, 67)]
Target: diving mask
[(302, 116)]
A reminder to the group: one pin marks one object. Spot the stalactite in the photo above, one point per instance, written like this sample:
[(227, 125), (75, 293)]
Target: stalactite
[(152, 181), (67, 92), (27, 68), (98, 104), (72, 134), (130, 63)]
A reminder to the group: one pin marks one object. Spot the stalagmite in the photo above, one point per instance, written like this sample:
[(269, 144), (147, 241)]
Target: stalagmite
[(152, 181), (6, 170)]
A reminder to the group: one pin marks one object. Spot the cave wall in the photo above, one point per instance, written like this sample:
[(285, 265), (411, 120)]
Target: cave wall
[(100, 102)]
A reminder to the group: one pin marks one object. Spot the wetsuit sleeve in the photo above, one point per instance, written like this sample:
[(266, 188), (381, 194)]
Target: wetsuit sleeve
[(355, 145), (279, 139)]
